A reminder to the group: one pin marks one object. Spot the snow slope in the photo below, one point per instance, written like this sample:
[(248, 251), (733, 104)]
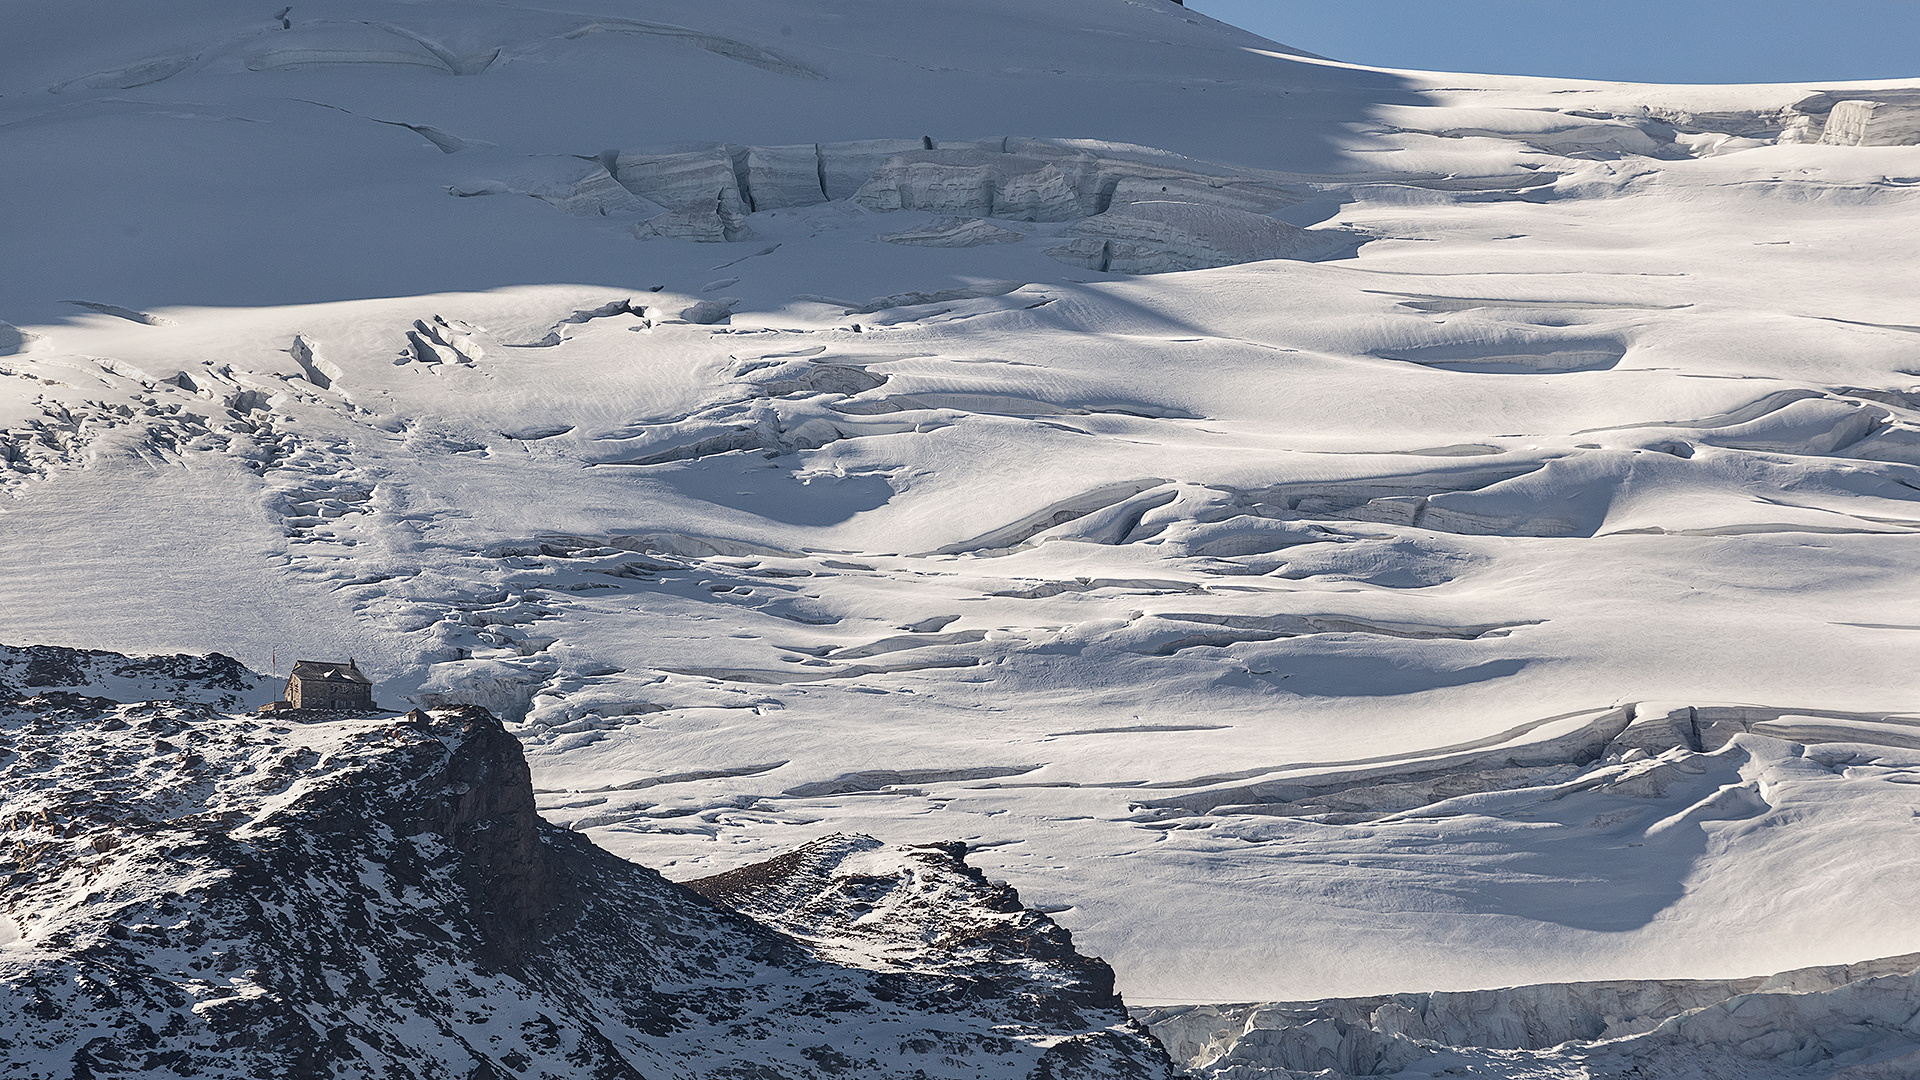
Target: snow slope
[(1260, 504)]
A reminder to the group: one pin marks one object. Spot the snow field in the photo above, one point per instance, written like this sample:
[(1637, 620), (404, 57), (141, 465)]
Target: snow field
[(935, 523)]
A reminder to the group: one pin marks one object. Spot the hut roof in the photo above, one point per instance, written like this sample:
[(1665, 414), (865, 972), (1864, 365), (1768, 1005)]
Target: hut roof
[(325, 671)]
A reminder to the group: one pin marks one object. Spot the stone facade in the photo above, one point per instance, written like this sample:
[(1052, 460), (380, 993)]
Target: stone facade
[(318, 684)]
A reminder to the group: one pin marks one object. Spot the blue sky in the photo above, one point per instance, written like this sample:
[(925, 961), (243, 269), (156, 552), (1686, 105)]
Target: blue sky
[(1635, 40)]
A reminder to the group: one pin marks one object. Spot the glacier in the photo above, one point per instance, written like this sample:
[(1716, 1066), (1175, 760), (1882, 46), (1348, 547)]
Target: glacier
[(1319, 532)]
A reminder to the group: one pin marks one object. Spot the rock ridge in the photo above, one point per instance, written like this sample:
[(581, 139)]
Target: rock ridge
[(194, 892)]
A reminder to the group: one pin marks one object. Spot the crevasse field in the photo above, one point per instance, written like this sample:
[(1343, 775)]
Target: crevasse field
[(1315, 530)]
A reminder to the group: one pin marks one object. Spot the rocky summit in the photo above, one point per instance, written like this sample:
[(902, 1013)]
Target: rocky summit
[(191, 892)]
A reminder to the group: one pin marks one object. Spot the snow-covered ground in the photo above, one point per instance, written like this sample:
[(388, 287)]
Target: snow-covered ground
[(759, 403), (191, 893)]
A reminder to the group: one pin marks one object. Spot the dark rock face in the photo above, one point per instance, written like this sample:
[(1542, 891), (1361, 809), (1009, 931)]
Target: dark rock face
[(936, 914), (194, 893), (492, 822)]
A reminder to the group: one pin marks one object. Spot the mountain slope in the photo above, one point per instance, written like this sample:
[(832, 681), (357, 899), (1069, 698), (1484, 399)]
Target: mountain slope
[(195, 893), (1259, 504)]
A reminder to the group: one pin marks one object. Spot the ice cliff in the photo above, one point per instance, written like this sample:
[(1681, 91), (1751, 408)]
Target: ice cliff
[(1853, 1021)]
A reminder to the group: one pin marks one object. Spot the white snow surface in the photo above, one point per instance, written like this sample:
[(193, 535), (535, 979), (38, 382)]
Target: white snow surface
[(1504, 577)]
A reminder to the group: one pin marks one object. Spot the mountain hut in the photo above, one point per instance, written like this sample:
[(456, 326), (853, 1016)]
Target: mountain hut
[(318, 684)]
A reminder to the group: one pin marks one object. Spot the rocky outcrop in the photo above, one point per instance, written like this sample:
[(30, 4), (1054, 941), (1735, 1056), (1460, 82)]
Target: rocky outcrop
[(492, 823), (213, 679), (857, 901), (854, 897), (193, 892)]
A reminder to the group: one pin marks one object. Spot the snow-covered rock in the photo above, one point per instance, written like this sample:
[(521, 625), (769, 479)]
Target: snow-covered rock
[(191, 890), (214, 680), (862, 903)]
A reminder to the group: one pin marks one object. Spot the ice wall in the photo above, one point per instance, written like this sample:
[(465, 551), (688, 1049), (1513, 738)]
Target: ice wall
[(1855, 1017), (1127, 209), (1887, 117)]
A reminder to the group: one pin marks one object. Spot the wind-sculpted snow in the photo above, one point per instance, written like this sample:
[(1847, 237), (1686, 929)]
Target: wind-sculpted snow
[(1317, 531), (194, 892)]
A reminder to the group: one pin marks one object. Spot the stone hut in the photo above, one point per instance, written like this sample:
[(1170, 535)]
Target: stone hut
[(317, 684)]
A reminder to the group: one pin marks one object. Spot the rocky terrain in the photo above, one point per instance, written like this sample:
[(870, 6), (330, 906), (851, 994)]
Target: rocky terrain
[(195, 892)]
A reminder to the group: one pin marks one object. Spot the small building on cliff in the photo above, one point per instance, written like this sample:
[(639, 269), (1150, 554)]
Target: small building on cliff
[(318, 684)]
